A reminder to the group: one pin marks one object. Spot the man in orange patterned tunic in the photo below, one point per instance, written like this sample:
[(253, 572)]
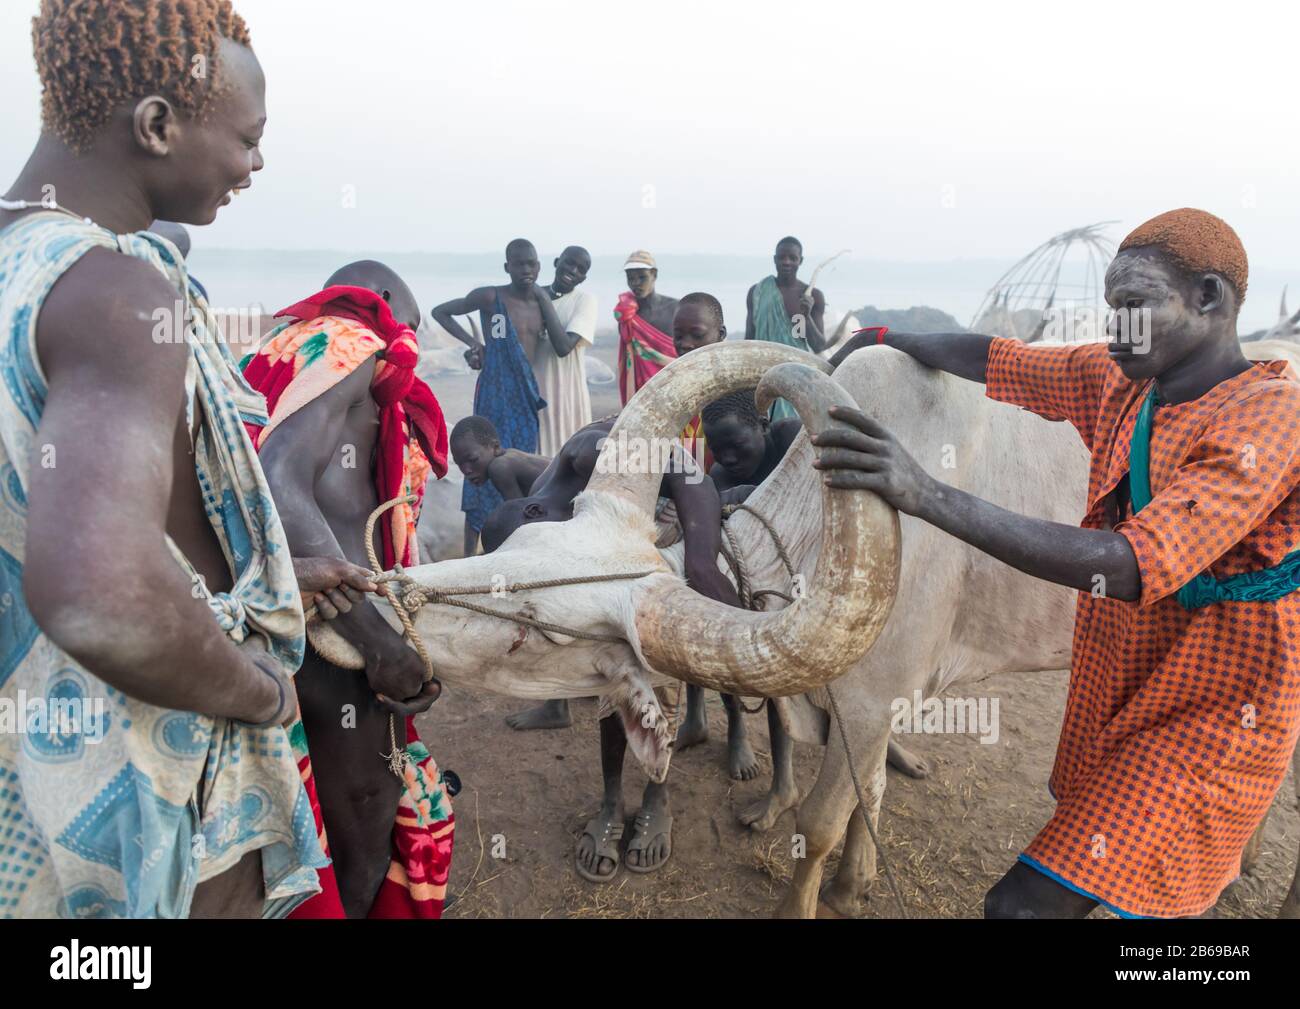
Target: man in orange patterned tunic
[(1184, 697)]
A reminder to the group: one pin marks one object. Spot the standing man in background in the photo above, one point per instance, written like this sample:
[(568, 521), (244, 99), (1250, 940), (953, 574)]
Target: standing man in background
[(783, 309), (645, 325), (558, 364)]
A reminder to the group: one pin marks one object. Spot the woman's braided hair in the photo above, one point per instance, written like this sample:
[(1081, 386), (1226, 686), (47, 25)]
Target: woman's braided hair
[(94, 55)]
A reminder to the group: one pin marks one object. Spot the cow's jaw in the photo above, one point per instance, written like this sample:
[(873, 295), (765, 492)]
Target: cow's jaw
[(649, 734)]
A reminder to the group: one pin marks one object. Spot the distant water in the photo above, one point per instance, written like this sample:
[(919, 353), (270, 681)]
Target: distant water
[(274, 279)]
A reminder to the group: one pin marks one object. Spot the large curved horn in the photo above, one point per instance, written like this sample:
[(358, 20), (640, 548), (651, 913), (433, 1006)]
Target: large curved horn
[(834, 621), (661, 408)]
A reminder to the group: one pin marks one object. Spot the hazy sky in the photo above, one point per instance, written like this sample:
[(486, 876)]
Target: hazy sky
[(916, 131)]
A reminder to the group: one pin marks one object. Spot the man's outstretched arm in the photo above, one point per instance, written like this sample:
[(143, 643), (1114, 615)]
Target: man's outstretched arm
[(963, 354), (98, 577), (868, 457)]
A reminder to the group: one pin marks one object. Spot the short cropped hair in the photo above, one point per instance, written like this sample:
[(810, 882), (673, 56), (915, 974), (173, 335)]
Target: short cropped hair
[(710, 304), (739, 404), (480, 429), (92, 56)]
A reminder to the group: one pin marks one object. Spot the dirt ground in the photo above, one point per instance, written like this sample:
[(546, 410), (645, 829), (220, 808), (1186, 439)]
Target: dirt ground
[(527, 796)]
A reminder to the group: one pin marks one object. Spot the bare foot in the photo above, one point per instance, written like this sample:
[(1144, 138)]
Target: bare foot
[(691, 732), (907, 762), (741, 762), (596, 858), (652, 840), (763, 813), (550, 715)]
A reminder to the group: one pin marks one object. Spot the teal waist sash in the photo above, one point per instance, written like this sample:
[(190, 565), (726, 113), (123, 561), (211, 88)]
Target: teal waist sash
[(1250, 586)]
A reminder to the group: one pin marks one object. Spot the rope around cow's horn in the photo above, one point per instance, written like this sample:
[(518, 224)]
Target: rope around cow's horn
[(411, 596), (407, 597)]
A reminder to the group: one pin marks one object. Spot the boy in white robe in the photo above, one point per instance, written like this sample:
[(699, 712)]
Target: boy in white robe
[(561, 377)]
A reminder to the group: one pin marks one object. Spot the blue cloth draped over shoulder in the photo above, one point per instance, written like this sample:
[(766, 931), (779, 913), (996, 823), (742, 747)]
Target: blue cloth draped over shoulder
[(118, 808), (507, 395)]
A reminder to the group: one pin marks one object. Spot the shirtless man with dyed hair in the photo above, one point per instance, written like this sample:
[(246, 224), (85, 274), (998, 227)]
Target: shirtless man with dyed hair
[(147, 567)]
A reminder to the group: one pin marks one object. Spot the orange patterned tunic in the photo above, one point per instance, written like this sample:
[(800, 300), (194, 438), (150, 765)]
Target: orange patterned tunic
[(1179, 724)]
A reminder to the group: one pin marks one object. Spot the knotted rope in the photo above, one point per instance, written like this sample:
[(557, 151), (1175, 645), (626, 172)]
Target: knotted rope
[(411, 596), (407, 596)]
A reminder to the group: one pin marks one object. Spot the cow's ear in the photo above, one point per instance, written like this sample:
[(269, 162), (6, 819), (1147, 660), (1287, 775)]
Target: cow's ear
[(646, 726)]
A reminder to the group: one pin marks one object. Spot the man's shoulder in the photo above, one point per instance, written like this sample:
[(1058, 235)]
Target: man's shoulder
[(1274, 394), (112, 307), (481, 297)]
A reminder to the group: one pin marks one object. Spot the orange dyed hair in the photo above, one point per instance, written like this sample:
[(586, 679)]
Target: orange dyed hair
[(1198, 242), (94, 55)]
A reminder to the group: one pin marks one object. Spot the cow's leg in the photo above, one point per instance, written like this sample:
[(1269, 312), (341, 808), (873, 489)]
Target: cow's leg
[(1291, 906), (695, 727), (858, 863), (547, 715), (824, 813), (741, 762), (763, 813)]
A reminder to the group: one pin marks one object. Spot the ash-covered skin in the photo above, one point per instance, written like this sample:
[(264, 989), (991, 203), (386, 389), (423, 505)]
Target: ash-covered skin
[(1180, 327), (657, 309)]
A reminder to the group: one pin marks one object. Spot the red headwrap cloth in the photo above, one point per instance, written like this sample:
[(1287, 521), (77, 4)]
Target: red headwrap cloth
[(407, 406)]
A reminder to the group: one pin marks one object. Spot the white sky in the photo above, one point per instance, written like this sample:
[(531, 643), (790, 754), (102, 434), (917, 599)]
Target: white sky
[(462, 125)]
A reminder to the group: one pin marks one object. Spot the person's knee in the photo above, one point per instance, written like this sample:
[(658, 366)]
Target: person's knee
[(1003, 900), (1024, 892)]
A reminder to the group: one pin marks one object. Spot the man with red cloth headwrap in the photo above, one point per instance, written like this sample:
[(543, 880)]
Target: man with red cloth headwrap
[(350, 427)]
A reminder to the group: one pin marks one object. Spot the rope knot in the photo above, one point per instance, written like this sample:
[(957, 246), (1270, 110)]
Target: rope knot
[(230, 614)]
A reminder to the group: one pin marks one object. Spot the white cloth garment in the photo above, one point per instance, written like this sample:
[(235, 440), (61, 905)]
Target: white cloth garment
[(562, 381)]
